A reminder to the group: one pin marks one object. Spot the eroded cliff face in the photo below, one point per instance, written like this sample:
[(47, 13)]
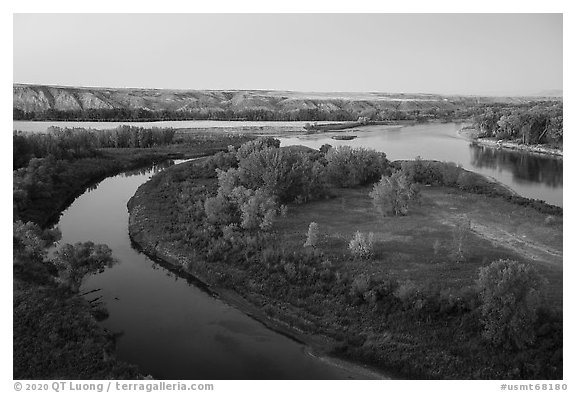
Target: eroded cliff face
[(37, 98), (41, 98)]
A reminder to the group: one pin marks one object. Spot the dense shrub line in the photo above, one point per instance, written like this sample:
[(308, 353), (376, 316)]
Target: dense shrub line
[(388, 111), (438, 173), (74, 143)]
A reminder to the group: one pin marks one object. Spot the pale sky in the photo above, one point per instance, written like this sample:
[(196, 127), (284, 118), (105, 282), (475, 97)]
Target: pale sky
[(413, 53)]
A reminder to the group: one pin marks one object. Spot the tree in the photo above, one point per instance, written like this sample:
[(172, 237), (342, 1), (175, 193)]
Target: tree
[(313, 235), (351, 167), (362, 246), (287, 174), (393, 194), (324, 148), (460, 234), (76, 261), (510, 294), (31, 242), (259, 144), (258, 211), (555, 130)]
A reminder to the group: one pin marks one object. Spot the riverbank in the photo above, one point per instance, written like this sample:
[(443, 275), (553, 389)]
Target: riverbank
[(294, 296), (318, 346), (533, 149), (473, 135), (56, 335), (315, 128)]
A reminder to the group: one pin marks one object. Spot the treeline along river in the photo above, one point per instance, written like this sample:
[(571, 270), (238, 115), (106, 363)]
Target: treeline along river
[(530, 175)]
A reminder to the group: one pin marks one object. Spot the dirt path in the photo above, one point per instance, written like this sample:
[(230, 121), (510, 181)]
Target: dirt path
[(520, 244)]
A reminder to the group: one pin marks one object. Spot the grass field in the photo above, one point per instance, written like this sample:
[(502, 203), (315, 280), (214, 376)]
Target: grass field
[(405, 245)]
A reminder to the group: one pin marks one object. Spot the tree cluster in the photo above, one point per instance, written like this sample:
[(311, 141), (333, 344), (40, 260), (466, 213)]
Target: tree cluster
[(73, 143), (351, 167), (261, 176), (393, 194), (541, 123), (511, 294)]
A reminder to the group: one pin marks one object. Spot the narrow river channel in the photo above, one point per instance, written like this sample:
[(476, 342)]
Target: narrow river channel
[(168, 326)]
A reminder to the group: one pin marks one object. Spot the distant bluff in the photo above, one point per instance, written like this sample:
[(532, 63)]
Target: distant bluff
[(39, 98)]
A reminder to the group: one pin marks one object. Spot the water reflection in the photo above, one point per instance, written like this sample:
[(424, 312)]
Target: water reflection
[(525, 168), (151, 170)]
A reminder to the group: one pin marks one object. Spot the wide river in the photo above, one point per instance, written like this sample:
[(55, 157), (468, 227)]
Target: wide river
[(530, 175), (172, 329)]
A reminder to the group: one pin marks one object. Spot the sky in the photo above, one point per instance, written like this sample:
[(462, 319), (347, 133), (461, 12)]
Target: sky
[(499, 54)]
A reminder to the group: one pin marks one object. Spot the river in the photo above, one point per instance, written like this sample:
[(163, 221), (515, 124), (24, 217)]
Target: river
[(530, 175), (168, 326)]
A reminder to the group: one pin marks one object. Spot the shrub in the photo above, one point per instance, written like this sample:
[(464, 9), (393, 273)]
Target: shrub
[(312, 236), (360, 286), (393, 194), (419, 171), (550, 220), (431, 172), (31, 242), (231, 232), (466, 180), (324, 148), (223, 160), (290, 270), (460, 234), (361, 246), (350, 167), (258, 211), (256, 145), (407, 292), (220, 210), (437, 246), (450, 172), (510, 294)]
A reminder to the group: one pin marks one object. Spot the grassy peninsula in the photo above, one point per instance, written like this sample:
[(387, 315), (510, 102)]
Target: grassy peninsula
[(383, 263)]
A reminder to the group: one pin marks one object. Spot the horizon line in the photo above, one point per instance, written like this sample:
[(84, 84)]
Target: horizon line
[(561, 90)]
